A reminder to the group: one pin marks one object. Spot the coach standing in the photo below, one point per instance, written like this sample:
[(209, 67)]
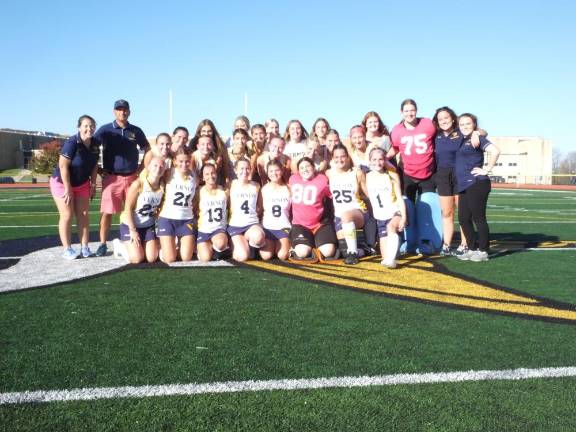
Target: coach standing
[(120, 143)]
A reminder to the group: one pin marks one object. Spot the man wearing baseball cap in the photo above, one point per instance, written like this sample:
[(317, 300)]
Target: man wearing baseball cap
[(120, 143)]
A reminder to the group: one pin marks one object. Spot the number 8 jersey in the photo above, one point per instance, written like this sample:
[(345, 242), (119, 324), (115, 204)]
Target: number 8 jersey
[(276, 201), (212, 210), (179, 197)]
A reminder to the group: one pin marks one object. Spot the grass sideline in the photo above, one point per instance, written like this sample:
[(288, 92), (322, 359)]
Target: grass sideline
[(162, 326)]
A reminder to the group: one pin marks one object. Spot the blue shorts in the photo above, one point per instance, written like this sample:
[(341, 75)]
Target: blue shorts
[(234, 231), (383, 226), (277, 234), (174, 227), (145, 234), (338, 221), (204, 237)]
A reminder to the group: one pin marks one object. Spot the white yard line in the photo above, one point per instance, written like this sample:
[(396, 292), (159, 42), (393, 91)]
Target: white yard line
[(282, 384)]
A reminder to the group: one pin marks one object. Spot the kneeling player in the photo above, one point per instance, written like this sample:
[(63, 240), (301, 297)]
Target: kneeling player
[(139, 241), (245, 206), (212, 203), (276, 217), (176, 219), (311, 224), (388, 207)]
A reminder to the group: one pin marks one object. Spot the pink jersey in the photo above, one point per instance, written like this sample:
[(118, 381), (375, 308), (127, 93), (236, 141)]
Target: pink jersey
[(308, 200), (416, 147)]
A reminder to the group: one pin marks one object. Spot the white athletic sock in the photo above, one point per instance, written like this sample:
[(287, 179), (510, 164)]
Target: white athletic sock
[(392, 241), (120, 250), (349, 230)]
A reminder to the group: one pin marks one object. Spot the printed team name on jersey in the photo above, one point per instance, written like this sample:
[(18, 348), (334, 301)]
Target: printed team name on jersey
[(245, 194), (214, 202), (181, 187), (285, 199), (152, 200)]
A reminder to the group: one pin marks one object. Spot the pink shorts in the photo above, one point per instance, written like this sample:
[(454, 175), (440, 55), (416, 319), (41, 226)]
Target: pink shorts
[(114, 189), (57, 189)]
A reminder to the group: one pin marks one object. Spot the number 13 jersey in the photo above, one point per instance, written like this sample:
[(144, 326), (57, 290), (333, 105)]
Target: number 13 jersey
[(212, 210)]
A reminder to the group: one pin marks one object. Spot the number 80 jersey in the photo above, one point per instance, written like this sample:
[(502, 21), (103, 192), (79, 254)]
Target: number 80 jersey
[(212, 210)]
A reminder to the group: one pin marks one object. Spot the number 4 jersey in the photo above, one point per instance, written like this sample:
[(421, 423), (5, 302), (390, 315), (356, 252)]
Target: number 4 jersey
[(243, 204), (179, 197), (416, 148)]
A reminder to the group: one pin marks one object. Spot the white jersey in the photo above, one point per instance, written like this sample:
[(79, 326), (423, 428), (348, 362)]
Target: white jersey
[(146, 205), (382, 196), (345, 192), (243, 204), (360, 161), (277, 204), (179, 197), (296, 151), (212, 210)]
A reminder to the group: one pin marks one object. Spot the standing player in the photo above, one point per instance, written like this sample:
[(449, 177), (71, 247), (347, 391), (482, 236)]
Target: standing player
[(276, 217), (180, 138), (295, 138), (413, 139), (311, 216), (388, 208), (139, 241), (275, 152), (162, 148), (346, 183), (120, 143), (212, 205), (245, 207), (376, 131), (176, 219)]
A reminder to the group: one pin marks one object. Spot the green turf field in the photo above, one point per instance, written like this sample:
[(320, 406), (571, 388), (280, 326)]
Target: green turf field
[(156, 326)]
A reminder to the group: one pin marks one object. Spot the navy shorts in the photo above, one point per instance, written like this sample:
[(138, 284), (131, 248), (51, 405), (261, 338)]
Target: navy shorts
[(174, 227), (445, 181), (234, 231), (383, 225), (277, 234), (145, 234), (204, 237), (338, 221)]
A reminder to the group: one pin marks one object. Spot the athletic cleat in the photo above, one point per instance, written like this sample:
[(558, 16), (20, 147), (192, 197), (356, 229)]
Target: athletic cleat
[(446, 251), (102, 250), (70, 254), (86, 252), (479, 256), (389, 264), (465, 255), (351, 258)]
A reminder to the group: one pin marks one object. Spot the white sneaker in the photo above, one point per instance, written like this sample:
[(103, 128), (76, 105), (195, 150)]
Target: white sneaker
[(465, 255), (119, 250), (389, 264), (479, 256)]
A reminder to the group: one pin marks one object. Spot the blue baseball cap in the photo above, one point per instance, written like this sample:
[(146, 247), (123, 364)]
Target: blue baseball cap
[(121, 103)]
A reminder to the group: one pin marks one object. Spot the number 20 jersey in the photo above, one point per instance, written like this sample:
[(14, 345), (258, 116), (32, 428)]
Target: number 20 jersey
[(178, 197), (212, 210)]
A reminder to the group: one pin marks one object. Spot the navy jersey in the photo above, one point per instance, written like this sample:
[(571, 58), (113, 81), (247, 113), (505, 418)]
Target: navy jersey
[(82, 159), (468, 158), (445, 148), (120, 147)]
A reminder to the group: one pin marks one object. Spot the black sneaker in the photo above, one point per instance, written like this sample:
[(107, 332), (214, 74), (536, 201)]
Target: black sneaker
[(351, 258), (102, 250), (446, 251)]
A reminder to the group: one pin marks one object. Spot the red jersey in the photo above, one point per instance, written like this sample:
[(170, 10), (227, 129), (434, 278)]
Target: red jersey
[(308, 200), (416, 147)]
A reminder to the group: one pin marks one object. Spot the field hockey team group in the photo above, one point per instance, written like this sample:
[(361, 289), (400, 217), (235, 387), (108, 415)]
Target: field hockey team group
[(263, 194)]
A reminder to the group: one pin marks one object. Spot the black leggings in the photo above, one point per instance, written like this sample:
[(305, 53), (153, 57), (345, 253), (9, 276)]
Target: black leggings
[(472, 208)]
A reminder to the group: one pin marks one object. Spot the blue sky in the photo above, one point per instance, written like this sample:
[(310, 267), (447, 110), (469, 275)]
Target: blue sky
[(512, 63)]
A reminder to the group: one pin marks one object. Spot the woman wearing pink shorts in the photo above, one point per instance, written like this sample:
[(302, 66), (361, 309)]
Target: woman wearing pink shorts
[(73, 183)]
